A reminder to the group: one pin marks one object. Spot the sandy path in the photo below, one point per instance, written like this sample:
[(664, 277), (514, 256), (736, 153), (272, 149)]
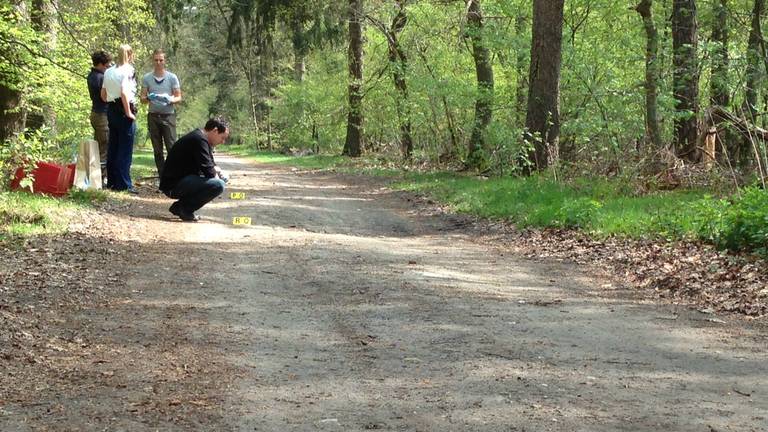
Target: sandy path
[(342, 308)]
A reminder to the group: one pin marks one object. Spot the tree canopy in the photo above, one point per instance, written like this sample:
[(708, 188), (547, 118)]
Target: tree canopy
[(505, 86)]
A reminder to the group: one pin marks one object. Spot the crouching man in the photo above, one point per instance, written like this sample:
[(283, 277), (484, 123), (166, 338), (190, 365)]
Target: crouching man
[(190, 174)]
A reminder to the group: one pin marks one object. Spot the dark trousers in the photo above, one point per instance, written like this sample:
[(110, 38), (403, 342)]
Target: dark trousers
[(122, 133), (162, 132), (193, 192), (100, 126)]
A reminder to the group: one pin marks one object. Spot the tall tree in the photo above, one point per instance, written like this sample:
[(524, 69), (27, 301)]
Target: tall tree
[(685, 78), (484, 73), (720, 61), (652, 127), (398, 63), (718, 89), (251, 33), (542, 121), (354, 142), (14, 57), (754, 60), (521, 86), (43, 20)]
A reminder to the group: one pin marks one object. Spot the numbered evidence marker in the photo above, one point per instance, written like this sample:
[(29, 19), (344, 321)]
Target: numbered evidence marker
[(237, 195), (241, 220)]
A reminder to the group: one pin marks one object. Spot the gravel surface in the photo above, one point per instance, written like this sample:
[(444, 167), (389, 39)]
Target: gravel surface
[(346, 306)]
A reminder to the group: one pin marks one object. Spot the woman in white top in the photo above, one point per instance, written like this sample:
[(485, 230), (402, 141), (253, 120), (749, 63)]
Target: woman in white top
[(119, 91)]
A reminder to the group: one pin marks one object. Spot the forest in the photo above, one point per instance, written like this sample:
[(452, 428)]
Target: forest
[(432, 215), (656, 95)]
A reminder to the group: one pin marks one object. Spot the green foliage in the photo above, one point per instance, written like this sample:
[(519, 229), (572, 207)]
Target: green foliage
[(313, 105), (594, 206), (740, 223), (50, 76)]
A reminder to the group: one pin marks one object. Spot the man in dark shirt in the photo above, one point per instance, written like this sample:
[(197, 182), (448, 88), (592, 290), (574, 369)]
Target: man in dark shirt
[(101, 61), (190, 173)]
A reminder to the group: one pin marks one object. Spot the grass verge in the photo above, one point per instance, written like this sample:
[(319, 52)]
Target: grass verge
[(25, 214)]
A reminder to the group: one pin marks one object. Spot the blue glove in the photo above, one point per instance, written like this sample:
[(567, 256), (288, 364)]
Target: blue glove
[(160, 99)]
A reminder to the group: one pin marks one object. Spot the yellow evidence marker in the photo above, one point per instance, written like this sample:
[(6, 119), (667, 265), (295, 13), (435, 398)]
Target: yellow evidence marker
[(237, 195), (241, 220)]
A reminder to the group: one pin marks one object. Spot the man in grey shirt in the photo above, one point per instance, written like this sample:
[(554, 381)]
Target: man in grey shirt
[(161, 90)]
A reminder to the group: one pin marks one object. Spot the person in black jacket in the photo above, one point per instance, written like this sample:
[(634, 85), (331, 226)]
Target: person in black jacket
[(190, 174), (101, 61)]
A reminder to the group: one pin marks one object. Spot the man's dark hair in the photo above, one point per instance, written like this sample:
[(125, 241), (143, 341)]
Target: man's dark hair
[(101, 57), (217, 123)]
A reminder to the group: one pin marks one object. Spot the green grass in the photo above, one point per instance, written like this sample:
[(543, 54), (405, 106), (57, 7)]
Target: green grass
[(25, 214), (539, 202), (143, 164)]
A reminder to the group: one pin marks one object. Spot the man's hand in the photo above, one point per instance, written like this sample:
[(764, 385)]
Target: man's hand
[(221, 174)]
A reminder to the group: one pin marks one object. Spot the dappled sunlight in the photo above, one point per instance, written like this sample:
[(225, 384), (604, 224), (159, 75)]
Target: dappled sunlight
[(349, 313)]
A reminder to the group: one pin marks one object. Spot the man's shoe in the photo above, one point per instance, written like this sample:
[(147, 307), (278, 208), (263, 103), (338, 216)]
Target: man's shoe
[(175, 208), (188, 216), (132, 191), (184, 215)]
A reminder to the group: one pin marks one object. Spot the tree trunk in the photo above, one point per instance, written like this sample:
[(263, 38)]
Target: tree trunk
[(719, 83), (521, 86), (354, 141), (484, 72), (719, 95), (685, 78), (398, 62), (43, 20), (652, 127), (12, 114), (299, 66), (448, 116), (753, 73), (542, 121), (300, 48)]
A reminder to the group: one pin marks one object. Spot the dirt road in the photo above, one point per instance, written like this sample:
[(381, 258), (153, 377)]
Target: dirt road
[(343, 307)]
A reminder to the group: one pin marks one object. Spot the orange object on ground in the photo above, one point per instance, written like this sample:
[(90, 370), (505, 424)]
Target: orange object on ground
[(50, 178)]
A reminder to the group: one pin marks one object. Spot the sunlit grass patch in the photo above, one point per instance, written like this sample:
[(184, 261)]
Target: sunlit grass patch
[(143, 164), (540, 202), (24, 214)]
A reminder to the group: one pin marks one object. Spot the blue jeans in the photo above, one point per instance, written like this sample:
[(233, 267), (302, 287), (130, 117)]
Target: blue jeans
[(194, 191), (122, 133)]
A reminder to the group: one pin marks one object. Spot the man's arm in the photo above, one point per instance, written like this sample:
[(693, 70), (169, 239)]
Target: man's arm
[(204, 158), (143, 95), (104, 94), (176, 97)]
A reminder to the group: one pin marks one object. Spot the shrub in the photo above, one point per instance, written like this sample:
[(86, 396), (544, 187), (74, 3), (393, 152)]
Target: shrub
[(737, 224)]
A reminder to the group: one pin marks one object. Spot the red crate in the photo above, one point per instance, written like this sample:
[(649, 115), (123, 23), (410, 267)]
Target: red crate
[(50, 178)]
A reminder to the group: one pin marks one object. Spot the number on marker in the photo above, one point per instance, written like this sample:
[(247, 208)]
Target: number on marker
[(237, 195), (241, 220)]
